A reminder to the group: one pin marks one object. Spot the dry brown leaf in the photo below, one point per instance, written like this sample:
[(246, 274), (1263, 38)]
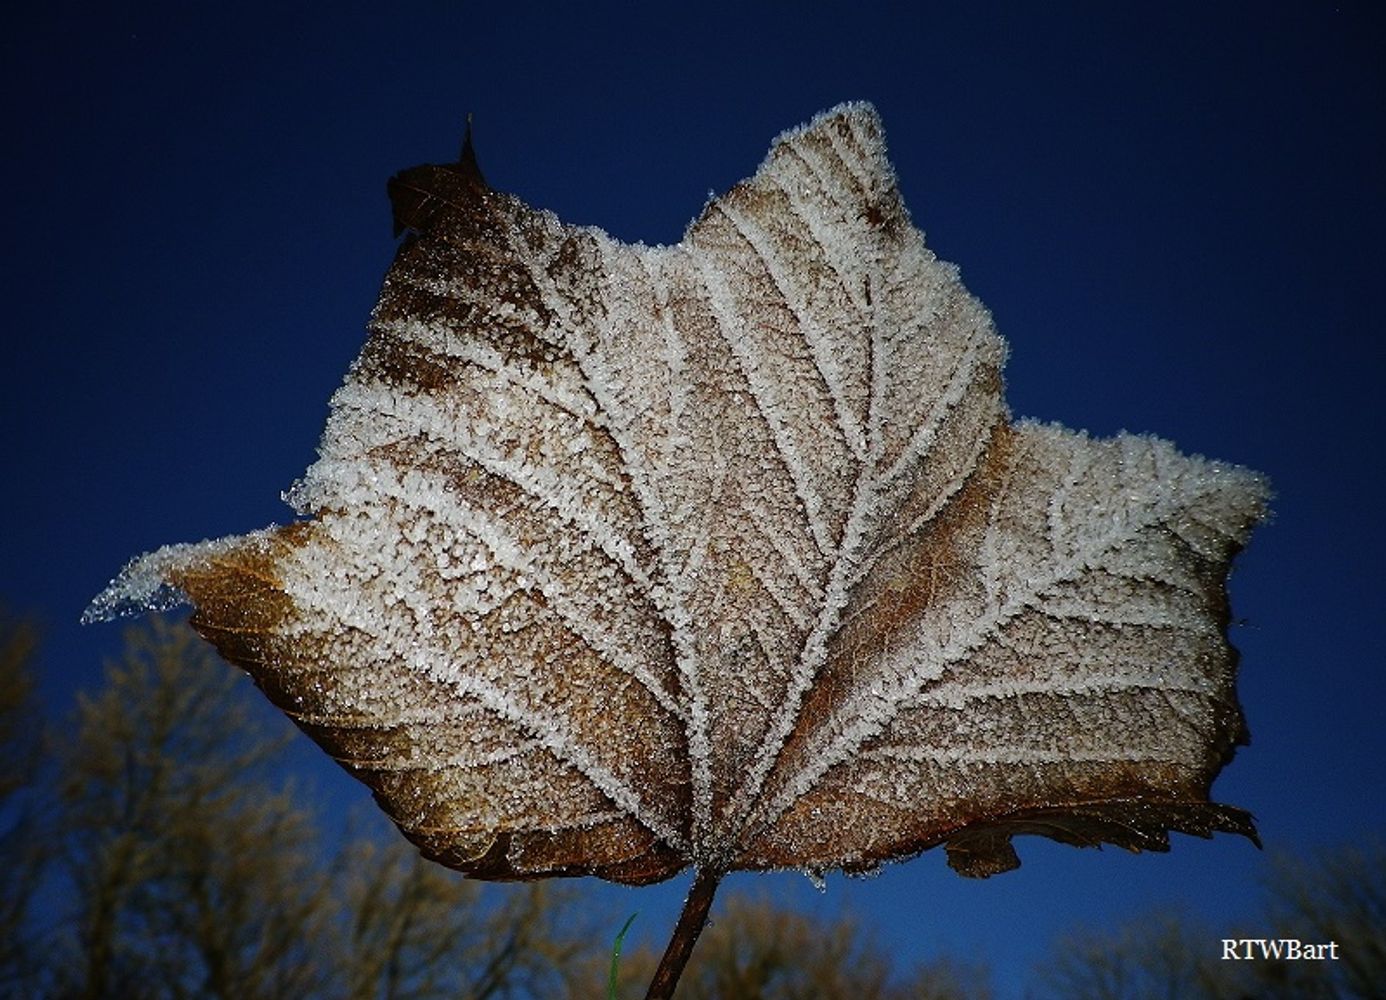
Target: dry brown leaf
[(620, 559)]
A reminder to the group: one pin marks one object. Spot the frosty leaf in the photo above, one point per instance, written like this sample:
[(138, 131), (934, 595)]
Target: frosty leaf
[(619, 560)]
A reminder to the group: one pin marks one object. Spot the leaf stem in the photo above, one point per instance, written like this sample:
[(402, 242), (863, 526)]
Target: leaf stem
[(686, 932)]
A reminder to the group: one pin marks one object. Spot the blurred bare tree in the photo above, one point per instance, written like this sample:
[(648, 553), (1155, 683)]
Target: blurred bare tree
[(1162, 956), (1336, 894), (416, 930), (21, 848), (755, 950), (177, 860), (191, 870), (19, 712)]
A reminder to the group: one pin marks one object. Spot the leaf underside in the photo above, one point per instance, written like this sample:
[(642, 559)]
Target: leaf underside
[(620, 559)]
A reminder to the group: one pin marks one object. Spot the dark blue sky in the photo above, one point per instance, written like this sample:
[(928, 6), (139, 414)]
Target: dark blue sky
[(1175, 216)]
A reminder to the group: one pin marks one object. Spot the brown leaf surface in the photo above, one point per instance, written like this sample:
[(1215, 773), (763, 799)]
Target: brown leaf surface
[(622, 559)]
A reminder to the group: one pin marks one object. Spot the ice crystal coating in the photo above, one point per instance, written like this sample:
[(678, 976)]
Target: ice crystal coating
[(623, 559)]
